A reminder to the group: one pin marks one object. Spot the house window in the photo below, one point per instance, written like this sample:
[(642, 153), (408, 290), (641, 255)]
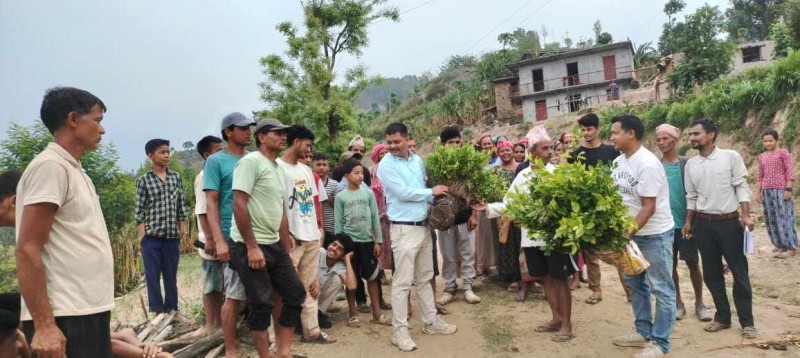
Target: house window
[(541, 110), (574, 102), (538, 80), (751, 54)]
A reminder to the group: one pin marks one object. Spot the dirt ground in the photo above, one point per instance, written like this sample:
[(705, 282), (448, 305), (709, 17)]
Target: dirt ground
[(500, 327)]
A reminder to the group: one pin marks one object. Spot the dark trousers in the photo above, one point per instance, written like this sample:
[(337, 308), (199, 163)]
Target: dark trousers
[(87, 336), (361, 294), (279, 274), (718, 239), (160, 258)]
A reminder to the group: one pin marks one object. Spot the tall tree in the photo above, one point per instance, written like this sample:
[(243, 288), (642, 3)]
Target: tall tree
[(303, 88), (754, 16), (644, 54), (672, 29), (781, 34), (706, 56), (793, 20)]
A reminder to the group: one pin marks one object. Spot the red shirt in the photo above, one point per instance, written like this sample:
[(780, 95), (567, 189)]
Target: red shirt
[(775, 169)]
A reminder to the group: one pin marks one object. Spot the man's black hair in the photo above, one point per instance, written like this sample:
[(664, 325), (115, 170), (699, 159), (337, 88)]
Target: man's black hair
[(8, 183), (349, 165), (345, 241), (153, 144), (319, 156), (223, 135), (630, 122), (449, 133), (589, 120), (770, 132), (204, 145), (9, 313), (58, 102), (298, 131), (395, 128), (708, 125)]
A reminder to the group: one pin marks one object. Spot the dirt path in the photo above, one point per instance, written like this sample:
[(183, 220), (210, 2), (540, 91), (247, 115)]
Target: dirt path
[(500, 327)]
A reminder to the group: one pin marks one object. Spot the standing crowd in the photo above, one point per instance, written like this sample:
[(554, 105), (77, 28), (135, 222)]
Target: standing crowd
[(284, 233)]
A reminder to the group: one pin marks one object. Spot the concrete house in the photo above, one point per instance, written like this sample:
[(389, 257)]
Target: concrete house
[(752, 54), (564, 82)]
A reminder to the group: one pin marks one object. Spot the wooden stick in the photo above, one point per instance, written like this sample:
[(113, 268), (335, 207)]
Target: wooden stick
[(200, 346), (161, 336), (214, 353), (160, 326), (144, 308)]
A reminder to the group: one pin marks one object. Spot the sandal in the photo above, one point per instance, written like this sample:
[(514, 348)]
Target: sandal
[(544, 328), (563, 337), (716, 327), (322, 338), (594, 300), (383, 320), (513, 288), (353, 322), (749, 332), (441, 310)]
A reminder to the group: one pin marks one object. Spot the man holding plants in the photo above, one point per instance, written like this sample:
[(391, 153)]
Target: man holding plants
[(458, 240), (402, 174), (716, 186), (641, 180), (552, 269)]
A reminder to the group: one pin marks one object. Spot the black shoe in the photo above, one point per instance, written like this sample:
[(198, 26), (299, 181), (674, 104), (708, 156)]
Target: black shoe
[(324, 320)]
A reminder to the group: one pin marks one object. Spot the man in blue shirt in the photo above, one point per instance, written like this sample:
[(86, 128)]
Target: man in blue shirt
[(403, 176)]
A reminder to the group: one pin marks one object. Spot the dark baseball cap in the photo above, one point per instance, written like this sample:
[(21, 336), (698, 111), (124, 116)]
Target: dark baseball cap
[(270, 124), (237, 119)]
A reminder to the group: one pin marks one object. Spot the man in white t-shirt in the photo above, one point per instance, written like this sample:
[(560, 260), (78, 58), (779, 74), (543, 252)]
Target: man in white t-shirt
[(64, 261), (213, 286), (641, 180), (304, 227)]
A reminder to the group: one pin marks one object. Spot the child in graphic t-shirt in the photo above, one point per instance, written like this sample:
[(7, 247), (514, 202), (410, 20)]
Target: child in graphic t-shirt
[(356, 213)]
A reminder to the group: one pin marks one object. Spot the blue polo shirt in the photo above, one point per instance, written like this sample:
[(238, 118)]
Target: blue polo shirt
[(403, 182)]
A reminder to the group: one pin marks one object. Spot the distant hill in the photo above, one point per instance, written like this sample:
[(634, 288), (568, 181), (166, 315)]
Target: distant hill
[(379, 95)]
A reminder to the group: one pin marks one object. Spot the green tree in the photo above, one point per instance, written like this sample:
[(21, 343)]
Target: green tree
[(114, 187), (667, 43), (568, 41), (458, 61), (755, 16), (597, 28), (527, 41), (188, 145), (792, 17), (707, 57), (644, 54), (781, 34), (304, 88), (604, 39), (506, 39)]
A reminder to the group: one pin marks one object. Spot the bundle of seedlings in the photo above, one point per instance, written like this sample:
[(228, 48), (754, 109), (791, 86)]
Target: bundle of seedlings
[(466, 172), (575, 208)]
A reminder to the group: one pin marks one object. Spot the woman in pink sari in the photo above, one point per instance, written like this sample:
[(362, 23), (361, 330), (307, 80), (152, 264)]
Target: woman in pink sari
[(386, 255)]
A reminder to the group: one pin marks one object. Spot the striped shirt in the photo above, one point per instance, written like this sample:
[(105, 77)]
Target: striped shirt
[(327, 205)]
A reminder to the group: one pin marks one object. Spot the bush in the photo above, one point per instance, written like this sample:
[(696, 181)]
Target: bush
[(655, 116), (465, 170), (786, 74), (573, 208)]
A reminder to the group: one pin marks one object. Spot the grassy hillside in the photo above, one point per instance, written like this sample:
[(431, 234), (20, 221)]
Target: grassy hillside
[(378, 97)]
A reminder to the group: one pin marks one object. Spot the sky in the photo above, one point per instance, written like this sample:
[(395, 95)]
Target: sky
[(173, 69)]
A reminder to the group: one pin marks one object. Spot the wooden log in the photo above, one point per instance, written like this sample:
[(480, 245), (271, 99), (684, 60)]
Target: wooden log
[(161, 336), (200, 346), (146, 332), (216, 352), (160, 326), (177, 343)]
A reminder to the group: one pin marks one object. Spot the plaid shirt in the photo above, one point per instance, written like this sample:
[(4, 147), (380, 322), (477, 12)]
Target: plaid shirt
[(160, 204)]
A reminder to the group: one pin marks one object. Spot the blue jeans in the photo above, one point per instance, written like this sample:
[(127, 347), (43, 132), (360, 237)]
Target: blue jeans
[(657, 249), (160, 257)]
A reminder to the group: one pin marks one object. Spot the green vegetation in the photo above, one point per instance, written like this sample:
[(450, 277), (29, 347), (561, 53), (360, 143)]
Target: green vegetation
[(464, 170), (729, 101), (573, 208), (303, 87)]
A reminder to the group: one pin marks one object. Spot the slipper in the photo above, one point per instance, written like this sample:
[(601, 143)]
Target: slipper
[(563, 337), (383, 320), (594, 300), (704, 314), (513, 288), (520, 297), (353, 322), (322, 338), (716, 327), (781, 255), (442, 311), (544, 328), (749, 332)]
